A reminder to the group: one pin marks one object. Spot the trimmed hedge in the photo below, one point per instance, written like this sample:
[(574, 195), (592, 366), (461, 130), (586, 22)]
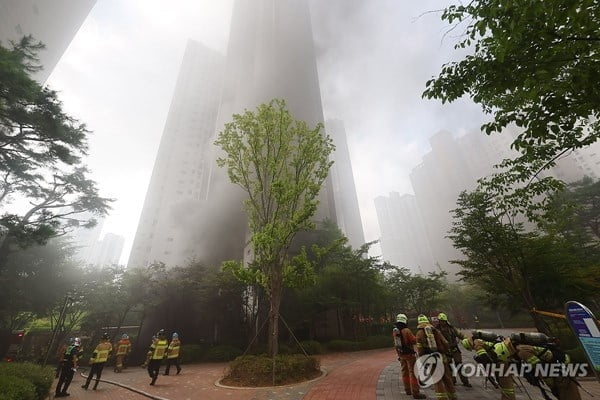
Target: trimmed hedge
[(222, 353), (258, 370), (191, 353), (40, 378), (372, 342), (310, 346)]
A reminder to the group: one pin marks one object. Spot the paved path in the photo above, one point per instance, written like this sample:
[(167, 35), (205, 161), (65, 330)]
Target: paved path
[(364, 375)]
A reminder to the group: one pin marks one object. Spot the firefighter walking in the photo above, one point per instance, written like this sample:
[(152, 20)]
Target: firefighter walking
[(173, 354), (157, 352), (68, 368), (404, 342), (123, 347), (98, 360), (430, 340), (452, 335)]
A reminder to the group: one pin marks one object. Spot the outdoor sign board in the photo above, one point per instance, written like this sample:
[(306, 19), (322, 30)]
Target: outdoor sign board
[(586, 329)]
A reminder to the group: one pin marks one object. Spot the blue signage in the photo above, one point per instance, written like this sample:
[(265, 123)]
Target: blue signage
[(586, 328)]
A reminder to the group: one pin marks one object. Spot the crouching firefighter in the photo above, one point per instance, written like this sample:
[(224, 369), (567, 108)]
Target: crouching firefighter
[(429, 341), (535, 350), (404, 342)]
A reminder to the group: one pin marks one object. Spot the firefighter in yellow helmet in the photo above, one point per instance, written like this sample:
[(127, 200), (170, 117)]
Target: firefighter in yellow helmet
[(157, 351), (404, 342), (98, 360), (452, 335), (123, 347), (430, 340), (563, 387), (173, 354)]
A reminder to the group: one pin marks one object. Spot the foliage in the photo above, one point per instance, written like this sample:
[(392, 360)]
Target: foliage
[(281, 164), (41, 378), (414, 294), (192, 353), (41, 156), (525, 269), (258, 370), (15, 388), (35, 282), (222, 353), (311, 347), (531, 66)]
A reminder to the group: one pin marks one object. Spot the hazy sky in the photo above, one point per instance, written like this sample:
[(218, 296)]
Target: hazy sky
[(374, 57)]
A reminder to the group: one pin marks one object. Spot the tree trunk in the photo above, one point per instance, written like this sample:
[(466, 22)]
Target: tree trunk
[(275, 302)]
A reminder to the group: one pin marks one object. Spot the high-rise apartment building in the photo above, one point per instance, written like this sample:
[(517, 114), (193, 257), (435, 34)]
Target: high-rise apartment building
[(191, 210), (455, 164), (54, 23), (344, 190), (179, 186), (404, 242), (108, 250)]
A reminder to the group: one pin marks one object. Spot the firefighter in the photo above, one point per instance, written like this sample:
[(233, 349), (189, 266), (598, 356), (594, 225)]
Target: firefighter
[(173, 354), (98, 360), (563, 387), (452, 335), (404, 342), (60, 354), (157, 352), (430, 340), (149, 354), (68, 368), (123, 347)]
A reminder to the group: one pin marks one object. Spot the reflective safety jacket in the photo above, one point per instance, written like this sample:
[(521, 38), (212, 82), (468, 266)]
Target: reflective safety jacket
[(482, 347), (159, 349), (101, 353), (123, 347), (173, 349)]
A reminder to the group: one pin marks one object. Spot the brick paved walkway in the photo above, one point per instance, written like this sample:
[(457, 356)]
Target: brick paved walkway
[(365, 375)]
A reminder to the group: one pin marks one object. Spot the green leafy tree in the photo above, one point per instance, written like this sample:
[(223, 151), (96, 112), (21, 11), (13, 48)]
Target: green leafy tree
[(41, 156), (533, 65), (34, 282), (526, 269), (414, 294), (281, 164)]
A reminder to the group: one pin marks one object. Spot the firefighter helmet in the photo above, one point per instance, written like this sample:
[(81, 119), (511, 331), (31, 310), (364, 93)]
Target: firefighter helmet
[(422, 319), (124, 336), (442, 317), (401, 318), (76, 342), (105, 336)]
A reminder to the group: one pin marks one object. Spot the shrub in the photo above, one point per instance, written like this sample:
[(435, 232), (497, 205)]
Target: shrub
[(15, 388), (191, 353), (372, 342), (310, 347), (222, 353), (41, 378), (258, 370), (343, 345), (577, 355), (284, 349)]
